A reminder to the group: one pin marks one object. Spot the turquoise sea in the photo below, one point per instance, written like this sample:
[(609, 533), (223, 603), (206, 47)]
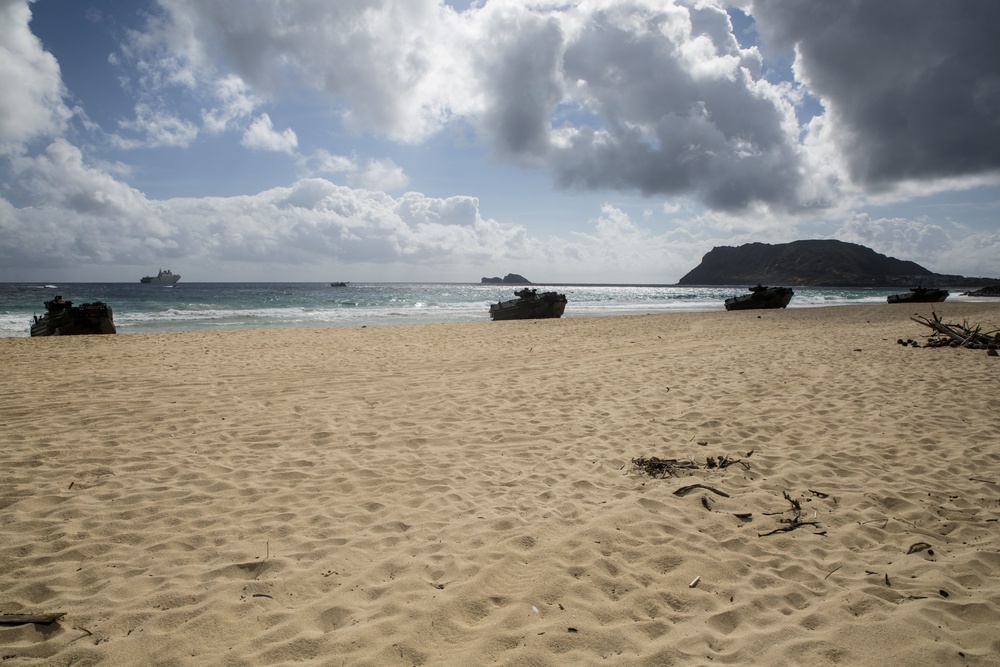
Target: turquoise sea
[(200, 306)]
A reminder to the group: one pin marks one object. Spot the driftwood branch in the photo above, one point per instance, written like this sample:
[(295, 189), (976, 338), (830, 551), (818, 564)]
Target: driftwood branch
[(955, 335), (663, 468), (21, 619), (792, 523), (684, 490)]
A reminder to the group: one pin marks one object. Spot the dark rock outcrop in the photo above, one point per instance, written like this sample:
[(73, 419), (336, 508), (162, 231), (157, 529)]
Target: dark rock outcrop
[(992, 290), (509, 279), (817, 263)]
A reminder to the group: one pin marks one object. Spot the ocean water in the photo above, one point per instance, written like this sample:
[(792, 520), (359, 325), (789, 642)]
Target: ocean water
[(201, 306)]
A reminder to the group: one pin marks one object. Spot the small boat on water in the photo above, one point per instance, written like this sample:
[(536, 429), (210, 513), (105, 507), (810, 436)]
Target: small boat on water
[(338, 284), (161, 278), (761, 297), (919, 295), (62, 318), (530, 305)]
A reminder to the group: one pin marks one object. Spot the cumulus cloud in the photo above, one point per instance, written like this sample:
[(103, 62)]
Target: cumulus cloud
[(975, 253), (361, 173), (155, 129), (614, 244), (938, 247), (262, 136), (234, 102), (379, 175), (315, 221), (79, 214), (59, 179), (85, 216), (896, 237), (31, 104), (392, 63), (635, 95)]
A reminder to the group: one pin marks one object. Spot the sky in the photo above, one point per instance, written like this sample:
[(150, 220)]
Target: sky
[(612, 141)]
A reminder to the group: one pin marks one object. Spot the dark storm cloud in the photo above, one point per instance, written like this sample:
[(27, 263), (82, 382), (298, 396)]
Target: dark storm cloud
[(519, 66), (681, 110), (912, 86)]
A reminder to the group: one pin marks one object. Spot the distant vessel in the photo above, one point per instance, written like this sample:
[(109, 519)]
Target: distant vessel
[(919, 295), (61, 318), (761, 297), (529, 305), (161, 278), (338, 284)]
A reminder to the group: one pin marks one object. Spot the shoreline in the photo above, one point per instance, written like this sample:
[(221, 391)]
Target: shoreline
[(205, 307), (463, 493)]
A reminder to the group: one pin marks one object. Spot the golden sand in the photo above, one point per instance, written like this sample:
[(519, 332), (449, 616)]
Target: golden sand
[(463, 494)]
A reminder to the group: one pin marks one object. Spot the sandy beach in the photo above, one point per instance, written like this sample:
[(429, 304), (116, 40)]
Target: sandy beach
[(465, 494)]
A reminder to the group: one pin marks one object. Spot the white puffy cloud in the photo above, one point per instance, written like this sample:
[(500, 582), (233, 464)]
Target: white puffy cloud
[(896, 237), (392, 62), (936, 246), (31, 101), (315, 221), (157, 129), (614, 244), (379, 175), (976, 254), (261, 135), (84, 216), (58, 179), (366, 173), (79, 215), (235, 102), (87, 218)]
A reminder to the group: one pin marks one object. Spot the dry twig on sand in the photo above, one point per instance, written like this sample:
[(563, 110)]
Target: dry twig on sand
[(21, 619), (684, 490), (663, 468), (793, 523)]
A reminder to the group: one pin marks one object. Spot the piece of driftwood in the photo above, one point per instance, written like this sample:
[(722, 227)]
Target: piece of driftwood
[(663, 468), (794, 522), (684, 490), (21, 619), (723, 462), (955, 335)]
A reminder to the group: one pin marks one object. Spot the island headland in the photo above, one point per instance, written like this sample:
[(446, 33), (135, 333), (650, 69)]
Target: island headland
[(820, 263)]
